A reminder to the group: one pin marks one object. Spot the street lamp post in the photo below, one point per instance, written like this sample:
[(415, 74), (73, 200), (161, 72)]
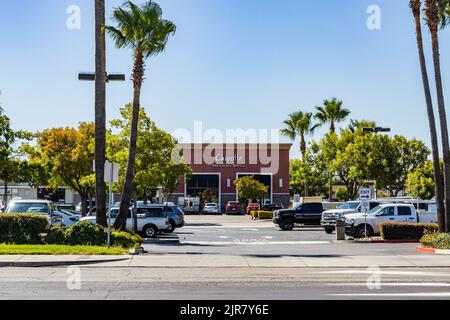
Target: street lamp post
[(90, 76), (376, 130)]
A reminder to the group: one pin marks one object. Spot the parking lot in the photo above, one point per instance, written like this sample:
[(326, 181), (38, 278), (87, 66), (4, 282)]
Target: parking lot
[(239, 235)]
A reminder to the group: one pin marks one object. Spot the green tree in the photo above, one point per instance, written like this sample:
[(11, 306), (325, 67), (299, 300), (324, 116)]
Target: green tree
[(141, 29), (331, 112), (157, 162), (12, 163), (67, 153), (100, 112), (299, 124), (250, 189), (415, 6), (420, 182), (433, 16)]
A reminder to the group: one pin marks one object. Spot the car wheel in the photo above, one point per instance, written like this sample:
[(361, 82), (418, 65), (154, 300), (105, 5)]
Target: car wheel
[(329, 230), (150, 231), (171, 228), (287, 225), (361, 232)]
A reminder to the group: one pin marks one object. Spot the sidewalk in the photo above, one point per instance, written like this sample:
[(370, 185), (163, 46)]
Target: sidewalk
[(224, 261)]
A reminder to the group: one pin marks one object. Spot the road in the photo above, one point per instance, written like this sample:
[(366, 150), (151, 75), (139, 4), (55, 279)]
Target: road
[(229, 258), (224, 284)]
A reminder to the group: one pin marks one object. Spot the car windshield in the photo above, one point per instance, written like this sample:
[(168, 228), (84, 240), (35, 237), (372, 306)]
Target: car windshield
[(210, 205), (349, 205), (374, 210), (29, 207)]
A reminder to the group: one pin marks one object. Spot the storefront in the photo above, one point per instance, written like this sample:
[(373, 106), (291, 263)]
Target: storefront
[(216, 167)]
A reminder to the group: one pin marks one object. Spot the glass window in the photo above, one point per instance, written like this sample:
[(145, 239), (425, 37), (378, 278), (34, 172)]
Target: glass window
[(38, 208), (404, 211), (349, 205), (388, 211), (373, 205), (154, 212)]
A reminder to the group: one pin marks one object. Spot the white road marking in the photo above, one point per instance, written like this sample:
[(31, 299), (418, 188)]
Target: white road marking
[(223, 237), (385, 272), (395, 284), (415, 294), (268, 237), (238, 242)]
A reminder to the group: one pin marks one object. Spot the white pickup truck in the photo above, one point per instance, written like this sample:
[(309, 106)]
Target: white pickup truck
[(151, 220), (360, 225)]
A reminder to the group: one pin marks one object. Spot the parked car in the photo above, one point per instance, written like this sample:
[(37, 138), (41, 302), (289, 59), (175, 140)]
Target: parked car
[(150, 221), (252, 207), (78, 206), (65, 206), (43, 207), (69, 217), (329, 217), (211, 208), (233, 207), (272, 207), (174, 214), (306, 213), (360, 225)]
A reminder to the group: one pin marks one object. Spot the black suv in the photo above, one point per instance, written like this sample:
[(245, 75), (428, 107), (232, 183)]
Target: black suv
[(306, 213)]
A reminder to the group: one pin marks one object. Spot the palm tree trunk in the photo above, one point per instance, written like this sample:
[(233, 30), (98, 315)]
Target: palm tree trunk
[(303, 151), (5, 196), (138, 74), (100, 112), (443, 123), (439, 192)]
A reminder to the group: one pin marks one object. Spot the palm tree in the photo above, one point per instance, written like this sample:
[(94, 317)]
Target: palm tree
[(142, 30), (331, 112), (100, 111), (439, 192), (433, 20), (299, 124)]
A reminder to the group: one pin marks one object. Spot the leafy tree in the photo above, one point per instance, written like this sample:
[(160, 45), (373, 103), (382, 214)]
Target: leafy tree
[(420, 182), (155, 164), (331, 112), (300, 125), (12, 163), (250, 189), (142, 30), (415, 6), (68, 154), (341, 194)]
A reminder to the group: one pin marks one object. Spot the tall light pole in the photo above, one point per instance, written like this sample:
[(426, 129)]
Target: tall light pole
[(100, 136), (376, 130)]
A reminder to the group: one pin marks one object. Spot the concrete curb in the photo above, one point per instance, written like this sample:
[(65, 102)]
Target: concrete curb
[(433, 251), (386, 241), (37, 264)]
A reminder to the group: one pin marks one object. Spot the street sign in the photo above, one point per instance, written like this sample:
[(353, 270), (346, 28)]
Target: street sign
[(111, 172), (364, 194), (365, 206)]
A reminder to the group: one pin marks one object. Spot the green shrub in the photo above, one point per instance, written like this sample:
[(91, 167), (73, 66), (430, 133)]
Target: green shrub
[(86, 233), (341, 194), (56, 235), (22, 228), (265, 215), (406, 231), (436, 240), (125, 239)]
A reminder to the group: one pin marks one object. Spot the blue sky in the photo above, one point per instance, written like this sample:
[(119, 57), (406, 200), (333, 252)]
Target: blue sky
[(231, 64)]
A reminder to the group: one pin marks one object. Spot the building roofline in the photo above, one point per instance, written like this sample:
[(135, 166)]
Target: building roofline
[(237, 145)]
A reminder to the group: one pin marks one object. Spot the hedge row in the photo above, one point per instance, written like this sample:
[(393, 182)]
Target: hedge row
[(31, 229), (22, 228), (406, 231), (85, 233), (436, 240)]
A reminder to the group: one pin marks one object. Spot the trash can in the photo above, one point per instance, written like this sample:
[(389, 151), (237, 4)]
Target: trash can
[(340, 229)]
